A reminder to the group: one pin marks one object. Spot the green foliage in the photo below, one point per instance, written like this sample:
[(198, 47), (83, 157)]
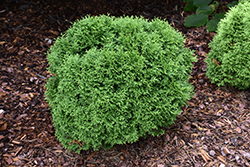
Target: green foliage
[(204, 9), (232, 4), (115, 80), (201, 2), (228, 62), (213, 23), (197, 20)]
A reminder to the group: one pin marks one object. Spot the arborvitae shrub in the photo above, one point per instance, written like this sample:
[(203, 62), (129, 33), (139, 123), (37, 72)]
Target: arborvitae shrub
[(115, 80), (228, 62)]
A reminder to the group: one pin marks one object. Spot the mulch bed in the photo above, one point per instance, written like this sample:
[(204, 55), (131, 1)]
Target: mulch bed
[(212, 130)]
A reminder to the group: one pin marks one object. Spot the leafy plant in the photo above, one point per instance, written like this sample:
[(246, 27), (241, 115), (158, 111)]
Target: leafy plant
[(115, 80), (228, 62), (204, 9)]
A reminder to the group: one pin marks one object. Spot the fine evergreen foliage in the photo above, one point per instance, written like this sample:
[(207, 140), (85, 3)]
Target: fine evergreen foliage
[(116, 80), (228, 62)]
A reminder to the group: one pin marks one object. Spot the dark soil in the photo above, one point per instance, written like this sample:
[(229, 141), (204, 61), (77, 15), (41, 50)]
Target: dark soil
[(213, 130)]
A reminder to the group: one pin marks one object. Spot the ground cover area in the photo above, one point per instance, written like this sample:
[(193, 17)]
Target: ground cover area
[(212, 130)]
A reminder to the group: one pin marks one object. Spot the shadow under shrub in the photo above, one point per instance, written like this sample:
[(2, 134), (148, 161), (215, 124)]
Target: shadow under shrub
[(116, 80), (228, 62)]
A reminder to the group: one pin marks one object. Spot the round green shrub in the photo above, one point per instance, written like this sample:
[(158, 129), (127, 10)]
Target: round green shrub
[(116, 80), (228, 62)]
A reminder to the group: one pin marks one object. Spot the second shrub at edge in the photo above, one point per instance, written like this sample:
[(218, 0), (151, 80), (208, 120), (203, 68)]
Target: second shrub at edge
[(228, 62)]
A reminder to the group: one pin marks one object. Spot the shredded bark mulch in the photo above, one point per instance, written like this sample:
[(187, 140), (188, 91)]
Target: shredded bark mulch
[(212, 130)]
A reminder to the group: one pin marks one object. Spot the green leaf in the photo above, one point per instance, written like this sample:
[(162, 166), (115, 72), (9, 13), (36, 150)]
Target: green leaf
[(201, 2), (188, 0), (232, 4), (213, 24), (196, 20), (205, 10), (190, 7), (219, 16)]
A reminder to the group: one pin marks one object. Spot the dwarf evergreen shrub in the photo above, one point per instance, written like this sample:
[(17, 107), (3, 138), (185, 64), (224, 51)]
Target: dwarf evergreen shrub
[(115, 80), (228, 62)]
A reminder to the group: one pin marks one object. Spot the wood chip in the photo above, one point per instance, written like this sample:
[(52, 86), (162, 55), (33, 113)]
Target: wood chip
[(221, 158), (225, 150), (126, 152), (16, 142), (53, 32), (3, 127), (18, 150), (191, 103), (205, 155), (91, 155), (238, 130), (23, 137), (1, 137), (212, 152), (15, 159), (58, 151), (222, 165)]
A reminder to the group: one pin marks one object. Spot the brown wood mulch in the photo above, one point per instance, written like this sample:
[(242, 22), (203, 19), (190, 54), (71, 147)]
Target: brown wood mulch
[(212, 130)]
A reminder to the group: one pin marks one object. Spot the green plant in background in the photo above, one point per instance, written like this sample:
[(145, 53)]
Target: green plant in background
[(204, 9), (228, 62), (116, 80)]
